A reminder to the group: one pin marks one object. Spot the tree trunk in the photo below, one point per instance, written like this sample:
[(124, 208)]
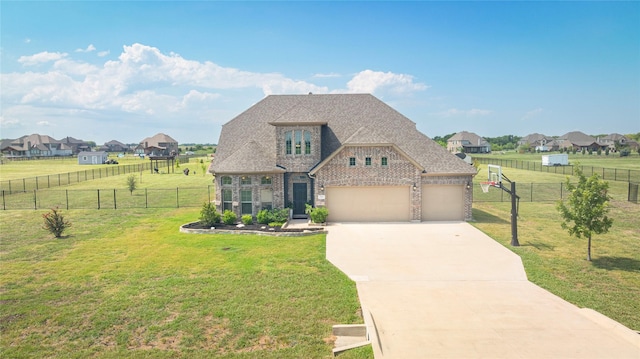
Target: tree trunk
[(589, 250)]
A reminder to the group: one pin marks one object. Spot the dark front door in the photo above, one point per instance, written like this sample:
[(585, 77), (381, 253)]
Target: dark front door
[(299, 198)]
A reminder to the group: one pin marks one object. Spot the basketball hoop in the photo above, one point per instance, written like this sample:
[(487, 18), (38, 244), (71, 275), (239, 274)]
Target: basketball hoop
[(485, 186)]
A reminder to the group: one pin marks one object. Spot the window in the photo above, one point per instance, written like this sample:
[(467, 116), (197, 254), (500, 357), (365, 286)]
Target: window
[(287, 136), (227, 200), (383, 162), (265, 180), (84, 158), (367, 161), (298, 142), (245, 180), (226, 181), (245, 199), (352, 161), (266, 198), (307, 142)]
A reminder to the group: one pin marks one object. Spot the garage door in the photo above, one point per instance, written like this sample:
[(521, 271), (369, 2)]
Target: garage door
[(442, 202), (368, 204)]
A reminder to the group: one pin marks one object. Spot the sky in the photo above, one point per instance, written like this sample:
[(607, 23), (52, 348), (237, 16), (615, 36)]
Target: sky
[(126, 70)]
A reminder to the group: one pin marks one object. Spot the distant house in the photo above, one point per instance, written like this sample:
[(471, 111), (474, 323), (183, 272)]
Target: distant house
[(578, 141), (468, 142), (76, 145), (35, 145), (539, 142), (158, 145), (92, 158), (114, 146), (616, 141)]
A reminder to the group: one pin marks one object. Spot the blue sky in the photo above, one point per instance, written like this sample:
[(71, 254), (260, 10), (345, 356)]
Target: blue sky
[(126, 70)]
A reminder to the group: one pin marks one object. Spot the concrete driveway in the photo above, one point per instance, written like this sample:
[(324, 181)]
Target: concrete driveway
[(446, 290)]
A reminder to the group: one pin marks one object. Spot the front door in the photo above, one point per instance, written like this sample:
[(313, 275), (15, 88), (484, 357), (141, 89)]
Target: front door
[(299, 198)]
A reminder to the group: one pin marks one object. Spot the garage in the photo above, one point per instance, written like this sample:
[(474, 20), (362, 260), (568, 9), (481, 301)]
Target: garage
[(442, 202), (368, 204)]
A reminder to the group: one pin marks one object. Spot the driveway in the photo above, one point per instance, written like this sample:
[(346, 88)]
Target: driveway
[(446, 290)]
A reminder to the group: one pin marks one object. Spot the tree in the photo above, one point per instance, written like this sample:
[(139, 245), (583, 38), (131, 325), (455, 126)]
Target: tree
[(131, 183), (55, 223), (586, 210)]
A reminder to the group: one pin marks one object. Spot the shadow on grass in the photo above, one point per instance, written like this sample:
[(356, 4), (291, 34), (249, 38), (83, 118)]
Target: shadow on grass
[(481, 216), (539, 246), (621, 263)]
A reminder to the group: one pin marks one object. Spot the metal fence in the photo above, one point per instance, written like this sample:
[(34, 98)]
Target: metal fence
[(108, 198), (62, 179), (611, 174)]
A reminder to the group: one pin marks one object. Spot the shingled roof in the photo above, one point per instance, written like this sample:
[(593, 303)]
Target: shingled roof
[(349, 119)]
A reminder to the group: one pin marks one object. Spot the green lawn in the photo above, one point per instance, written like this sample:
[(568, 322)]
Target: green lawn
[(128, 284), (613, 160)]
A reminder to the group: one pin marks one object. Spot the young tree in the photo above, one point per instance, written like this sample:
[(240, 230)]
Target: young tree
[(131, 183), (55, 223), (586, 210)]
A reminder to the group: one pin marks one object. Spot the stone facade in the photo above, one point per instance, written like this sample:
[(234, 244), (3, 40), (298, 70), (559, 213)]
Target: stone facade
[(256, 187)]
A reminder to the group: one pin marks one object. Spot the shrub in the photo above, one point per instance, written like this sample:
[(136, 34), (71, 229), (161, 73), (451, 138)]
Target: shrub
[(599, 152), (276, 224), (606, 151), (247, 219), (228, 217), (208, 215), (318, 214), (55, 223), (625, 152), (264, 216)]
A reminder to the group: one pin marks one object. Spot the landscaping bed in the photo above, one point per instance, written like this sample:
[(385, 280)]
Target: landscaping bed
[(199, 227)]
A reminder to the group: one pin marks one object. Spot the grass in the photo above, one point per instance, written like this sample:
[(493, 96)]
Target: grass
[(131, 285), (613, 160), (557, 262)]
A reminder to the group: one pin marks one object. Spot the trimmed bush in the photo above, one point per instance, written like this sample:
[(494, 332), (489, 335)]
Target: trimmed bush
[(264, 216), (228, 217), (55, 223), (208, 215), (318, 214), (247, 219)]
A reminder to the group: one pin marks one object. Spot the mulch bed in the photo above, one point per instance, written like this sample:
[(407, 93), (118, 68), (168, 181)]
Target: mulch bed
[(251, 227)]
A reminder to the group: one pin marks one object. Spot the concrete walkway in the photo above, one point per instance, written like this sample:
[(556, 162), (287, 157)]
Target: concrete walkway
[(446, 290)]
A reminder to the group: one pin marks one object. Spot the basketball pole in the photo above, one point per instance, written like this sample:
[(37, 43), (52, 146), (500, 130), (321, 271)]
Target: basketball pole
[(514, 216)]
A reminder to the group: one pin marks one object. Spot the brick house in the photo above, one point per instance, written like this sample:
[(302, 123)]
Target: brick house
[(468, 142), (352, 153), (158, 145)]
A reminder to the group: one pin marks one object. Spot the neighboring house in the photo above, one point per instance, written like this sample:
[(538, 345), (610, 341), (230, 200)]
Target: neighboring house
[(616, 139), (35, 146), (76, 145), (92, 158), (159, 145), (468, 142), (352, 153), (114, 146), (578, 141), (539, 142)]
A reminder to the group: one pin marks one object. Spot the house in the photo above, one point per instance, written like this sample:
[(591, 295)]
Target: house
[(114, 146), (539, 142), (76, 145), (35, 145), (468, 142), (352, 153), (616, 141), (158, 145), (92, 158), (578, 141)]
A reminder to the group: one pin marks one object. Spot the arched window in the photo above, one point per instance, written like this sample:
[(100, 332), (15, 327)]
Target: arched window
[(225, 181), (265, 180), (245, 180)]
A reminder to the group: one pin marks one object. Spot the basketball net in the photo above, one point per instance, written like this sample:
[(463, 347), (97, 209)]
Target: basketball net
[(485, 186)]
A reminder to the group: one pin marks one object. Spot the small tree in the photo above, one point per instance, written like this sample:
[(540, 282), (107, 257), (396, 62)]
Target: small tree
[(586, 210), (131, 183), (55, 223), (208, 215)]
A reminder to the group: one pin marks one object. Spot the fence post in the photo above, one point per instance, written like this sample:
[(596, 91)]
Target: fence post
[(177, 198), (24, 185), (36, 182), (114, 199), (67, 197), (4, 206), (35, 200), (98, 196), (561, 195)]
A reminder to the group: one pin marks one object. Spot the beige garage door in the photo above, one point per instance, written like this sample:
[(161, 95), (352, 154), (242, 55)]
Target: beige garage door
[(368, 204), (442, 202)]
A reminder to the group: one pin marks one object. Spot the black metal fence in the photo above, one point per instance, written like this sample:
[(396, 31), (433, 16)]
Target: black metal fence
[(610, 174), (108, 198), (62, 179)]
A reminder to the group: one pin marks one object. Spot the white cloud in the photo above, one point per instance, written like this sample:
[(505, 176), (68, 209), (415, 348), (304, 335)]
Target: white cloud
[(43, 123), (103, 53), (41, 58), (329, 75), (474, 112), (8, 123), (369, 81), (88, 49), (531, 114)]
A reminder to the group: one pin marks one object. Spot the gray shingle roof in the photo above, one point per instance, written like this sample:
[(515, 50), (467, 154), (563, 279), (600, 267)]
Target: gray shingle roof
[(578, 138), (349, 119)]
